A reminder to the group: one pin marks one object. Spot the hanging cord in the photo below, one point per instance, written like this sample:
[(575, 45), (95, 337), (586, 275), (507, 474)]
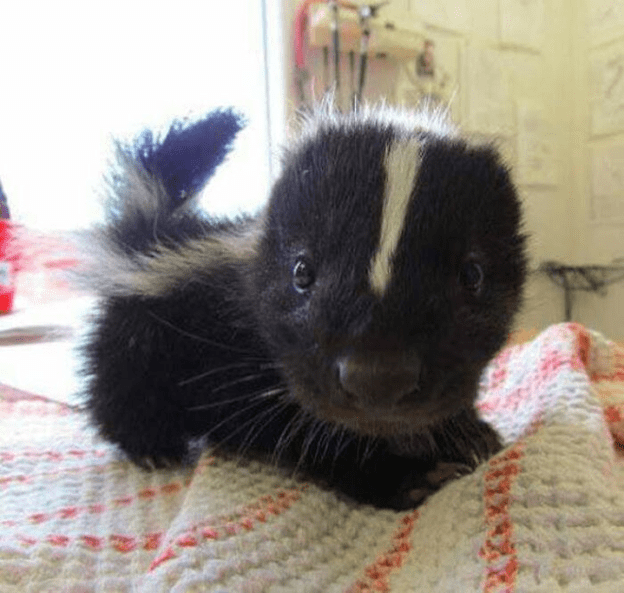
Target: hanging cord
[(300, 31), (365, 13), (335, 32)]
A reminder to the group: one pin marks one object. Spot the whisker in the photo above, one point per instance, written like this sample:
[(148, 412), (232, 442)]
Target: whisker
[(327, 433), (307, 442), (253, 421), (288, 434), (198, 338), (258, 401), (227, 367), (348, 441), (258, 395), (223, 402), (238, 382), (331, 436), (258, 425), (364, 441), (371, 445)]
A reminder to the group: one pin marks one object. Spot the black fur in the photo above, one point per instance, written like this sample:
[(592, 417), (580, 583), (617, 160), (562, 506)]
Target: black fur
[(275, 342)]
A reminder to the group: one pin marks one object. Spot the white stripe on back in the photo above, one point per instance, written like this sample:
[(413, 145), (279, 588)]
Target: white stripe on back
[(401, 162)]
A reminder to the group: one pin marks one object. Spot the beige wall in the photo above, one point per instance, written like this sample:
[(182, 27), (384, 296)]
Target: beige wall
[(545, 72), (598, 130)]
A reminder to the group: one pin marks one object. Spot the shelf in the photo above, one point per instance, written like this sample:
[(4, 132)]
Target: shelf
[(397, 34)]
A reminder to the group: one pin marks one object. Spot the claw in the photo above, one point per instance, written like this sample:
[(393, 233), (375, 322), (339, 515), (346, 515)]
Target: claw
[(445, 471)]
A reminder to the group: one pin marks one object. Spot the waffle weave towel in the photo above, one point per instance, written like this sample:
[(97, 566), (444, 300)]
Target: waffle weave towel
[(544, 515)]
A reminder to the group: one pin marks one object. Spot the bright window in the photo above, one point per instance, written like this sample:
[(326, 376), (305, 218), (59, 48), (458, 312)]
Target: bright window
[(76, 74)]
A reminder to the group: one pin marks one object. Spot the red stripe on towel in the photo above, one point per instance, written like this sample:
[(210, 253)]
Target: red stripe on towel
[(499, 550), (119, 542), (377, 575), (53, 456), (68, 513), (33, 477), (225, 526)]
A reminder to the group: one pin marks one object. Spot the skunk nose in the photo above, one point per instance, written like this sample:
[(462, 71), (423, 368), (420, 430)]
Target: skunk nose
[(380, 379)]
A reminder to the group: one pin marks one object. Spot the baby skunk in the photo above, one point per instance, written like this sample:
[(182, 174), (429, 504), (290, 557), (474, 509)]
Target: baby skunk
[(342, 331)]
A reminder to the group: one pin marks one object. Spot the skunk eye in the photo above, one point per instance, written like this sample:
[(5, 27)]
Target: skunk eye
[(471, 276), (303, 275)]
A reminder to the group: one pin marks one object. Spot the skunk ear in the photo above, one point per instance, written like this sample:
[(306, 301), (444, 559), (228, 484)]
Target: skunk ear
[(185, 159)]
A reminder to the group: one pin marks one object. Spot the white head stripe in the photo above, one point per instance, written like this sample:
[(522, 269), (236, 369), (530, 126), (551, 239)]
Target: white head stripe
[(401, 162)]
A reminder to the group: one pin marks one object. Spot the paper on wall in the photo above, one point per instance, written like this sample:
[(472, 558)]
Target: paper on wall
[(607, 183), (536, 148), (522, 22), (606, 80), (488, 93), (605, 18)]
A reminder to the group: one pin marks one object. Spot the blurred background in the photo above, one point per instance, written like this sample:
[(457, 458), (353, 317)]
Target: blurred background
[(544, 79)]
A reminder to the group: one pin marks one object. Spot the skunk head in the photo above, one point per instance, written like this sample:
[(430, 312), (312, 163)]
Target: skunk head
[(390, 269)]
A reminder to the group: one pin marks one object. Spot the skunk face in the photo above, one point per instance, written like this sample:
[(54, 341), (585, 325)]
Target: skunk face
[(389, 272)]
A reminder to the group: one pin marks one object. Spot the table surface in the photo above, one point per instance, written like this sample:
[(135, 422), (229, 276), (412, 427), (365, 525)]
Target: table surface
[(38, 347)]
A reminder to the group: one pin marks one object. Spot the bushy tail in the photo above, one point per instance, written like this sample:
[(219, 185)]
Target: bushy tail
[(153, 186), (151, 202), (189, 154)]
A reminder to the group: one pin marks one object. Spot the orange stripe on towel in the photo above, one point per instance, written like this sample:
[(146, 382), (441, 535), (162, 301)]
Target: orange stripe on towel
[(142, 496), (499, 550), (244, 519), (53, 456), (376, 575), (119, 542)]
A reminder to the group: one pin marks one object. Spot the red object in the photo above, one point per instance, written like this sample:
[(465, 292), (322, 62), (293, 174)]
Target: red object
[(7, 289), (301, 25)]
